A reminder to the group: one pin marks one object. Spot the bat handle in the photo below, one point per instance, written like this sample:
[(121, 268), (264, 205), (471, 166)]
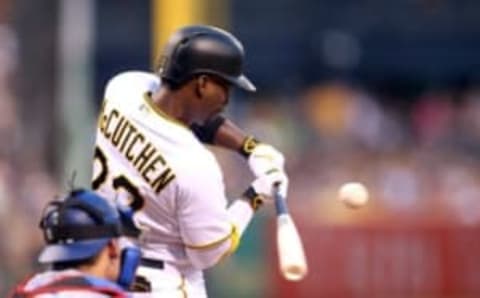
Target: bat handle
[(280, 202)]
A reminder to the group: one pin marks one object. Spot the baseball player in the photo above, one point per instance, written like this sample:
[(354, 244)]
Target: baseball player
[(149, 154), (84, 249)]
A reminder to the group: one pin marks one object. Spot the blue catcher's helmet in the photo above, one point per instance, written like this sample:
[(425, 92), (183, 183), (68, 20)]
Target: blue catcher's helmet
[(79, 227)]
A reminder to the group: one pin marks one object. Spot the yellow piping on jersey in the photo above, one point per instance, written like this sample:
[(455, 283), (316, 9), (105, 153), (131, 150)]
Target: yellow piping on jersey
[(234, 242), (159, 112), (233, 236)]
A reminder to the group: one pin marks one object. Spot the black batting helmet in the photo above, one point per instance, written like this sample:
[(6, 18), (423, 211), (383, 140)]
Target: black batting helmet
[(194, 50)]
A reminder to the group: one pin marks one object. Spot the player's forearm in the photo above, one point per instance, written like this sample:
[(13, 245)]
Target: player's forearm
[(230, 136)]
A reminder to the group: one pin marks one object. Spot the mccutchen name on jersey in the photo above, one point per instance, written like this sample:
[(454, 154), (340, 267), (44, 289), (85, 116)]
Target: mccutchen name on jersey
[(141, 153)]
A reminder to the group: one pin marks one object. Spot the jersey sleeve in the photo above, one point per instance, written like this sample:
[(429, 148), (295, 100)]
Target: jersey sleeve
[(206, 227)]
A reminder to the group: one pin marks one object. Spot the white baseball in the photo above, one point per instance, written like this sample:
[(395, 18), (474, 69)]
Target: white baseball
[(353, 194)]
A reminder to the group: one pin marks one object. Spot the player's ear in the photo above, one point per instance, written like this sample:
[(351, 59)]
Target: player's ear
[(113, 249), (201, 85)]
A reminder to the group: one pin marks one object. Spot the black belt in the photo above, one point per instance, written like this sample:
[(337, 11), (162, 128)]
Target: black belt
[(152, 263)]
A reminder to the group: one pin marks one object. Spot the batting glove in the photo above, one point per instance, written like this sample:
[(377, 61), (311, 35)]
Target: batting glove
[(264, 158), (263, 187)]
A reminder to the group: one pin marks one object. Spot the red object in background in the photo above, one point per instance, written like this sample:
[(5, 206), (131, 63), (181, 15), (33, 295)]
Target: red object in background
[(385, 261)]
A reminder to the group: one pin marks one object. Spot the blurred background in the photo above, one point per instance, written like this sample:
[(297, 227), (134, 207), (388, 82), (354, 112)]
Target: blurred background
[(382, 92)]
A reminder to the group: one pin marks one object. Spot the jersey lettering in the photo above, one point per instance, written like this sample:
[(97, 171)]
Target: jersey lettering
[(142, 154), (136, 201)]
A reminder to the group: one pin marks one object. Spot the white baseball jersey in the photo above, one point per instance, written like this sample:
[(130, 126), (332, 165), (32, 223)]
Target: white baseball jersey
[(174, 182)]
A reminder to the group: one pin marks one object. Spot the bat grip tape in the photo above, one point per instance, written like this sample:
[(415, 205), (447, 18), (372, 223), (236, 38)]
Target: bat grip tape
[(280, 204)]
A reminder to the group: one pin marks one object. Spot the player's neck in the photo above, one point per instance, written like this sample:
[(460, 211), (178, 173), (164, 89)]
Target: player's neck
[(171, 104)]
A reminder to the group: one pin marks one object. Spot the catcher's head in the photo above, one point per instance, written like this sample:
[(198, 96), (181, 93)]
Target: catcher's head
[(78, 228), (195, 50)]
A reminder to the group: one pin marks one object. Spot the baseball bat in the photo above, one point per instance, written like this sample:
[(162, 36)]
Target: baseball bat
[(291, 255)]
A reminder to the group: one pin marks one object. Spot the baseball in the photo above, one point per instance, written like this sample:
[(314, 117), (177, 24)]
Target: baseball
[(353, 194)]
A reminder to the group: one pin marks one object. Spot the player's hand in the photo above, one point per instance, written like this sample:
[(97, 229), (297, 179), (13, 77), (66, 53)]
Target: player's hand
[(263, 187), (265, 158)]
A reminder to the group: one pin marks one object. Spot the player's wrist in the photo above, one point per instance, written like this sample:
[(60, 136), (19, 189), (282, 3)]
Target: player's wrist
[(253, 198), (248, 146)]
